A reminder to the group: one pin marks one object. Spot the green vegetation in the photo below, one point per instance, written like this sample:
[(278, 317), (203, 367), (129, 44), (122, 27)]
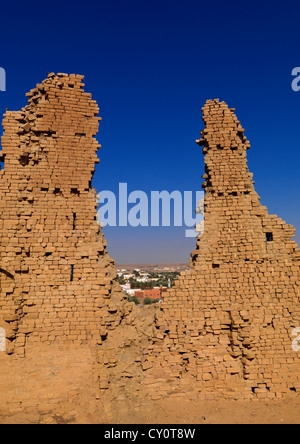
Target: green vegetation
[(133, 299), (146, 301), (160, 279), (121, 280), (149, 301)]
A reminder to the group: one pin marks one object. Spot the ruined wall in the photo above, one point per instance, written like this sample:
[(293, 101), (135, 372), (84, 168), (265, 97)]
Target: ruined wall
[(225, 328), (56, 277)]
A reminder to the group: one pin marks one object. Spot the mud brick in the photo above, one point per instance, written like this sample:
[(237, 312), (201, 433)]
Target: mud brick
[(241, 280), (39, 190), (232, 312)]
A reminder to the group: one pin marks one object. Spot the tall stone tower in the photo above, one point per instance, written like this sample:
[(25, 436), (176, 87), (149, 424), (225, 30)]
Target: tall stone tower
[(56, 277), (229, 320)]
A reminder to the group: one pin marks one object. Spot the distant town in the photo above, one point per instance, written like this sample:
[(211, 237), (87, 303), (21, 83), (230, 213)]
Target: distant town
[(146, 284)]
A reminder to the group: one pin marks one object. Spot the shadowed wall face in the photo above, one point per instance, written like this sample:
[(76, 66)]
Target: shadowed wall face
[(56, 276)]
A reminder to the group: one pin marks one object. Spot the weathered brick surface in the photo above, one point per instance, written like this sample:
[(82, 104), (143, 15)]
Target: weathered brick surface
[(229, 319), (56, 277), (225, 328)]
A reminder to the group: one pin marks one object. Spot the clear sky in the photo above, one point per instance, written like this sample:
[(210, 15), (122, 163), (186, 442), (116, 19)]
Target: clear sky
[(151, 66)]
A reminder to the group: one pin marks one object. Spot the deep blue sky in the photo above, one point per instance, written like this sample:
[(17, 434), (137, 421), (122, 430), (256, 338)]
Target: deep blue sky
[(151, 65)]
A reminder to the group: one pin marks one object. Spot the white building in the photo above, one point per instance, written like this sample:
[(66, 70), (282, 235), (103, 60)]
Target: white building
[(126, 287)]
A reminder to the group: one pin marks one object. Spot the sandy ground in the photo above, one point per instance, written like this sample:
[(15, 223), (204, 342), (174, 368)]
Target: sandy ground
[(170, 412), (68, 374)]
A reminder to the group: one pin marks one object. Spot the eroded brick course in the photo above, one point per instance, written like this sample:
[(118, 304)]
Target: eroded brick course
[(56, 277), (225, 328)]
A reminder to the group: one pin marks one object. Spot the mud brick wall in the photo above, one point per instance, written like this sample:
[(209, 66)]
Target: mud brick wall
[(228, 321), (225, 329), (56, 277)]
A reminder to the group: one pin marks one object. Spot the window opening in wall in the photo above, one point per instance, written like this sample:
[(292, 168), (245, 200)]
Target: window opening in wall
[(269, 237)]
